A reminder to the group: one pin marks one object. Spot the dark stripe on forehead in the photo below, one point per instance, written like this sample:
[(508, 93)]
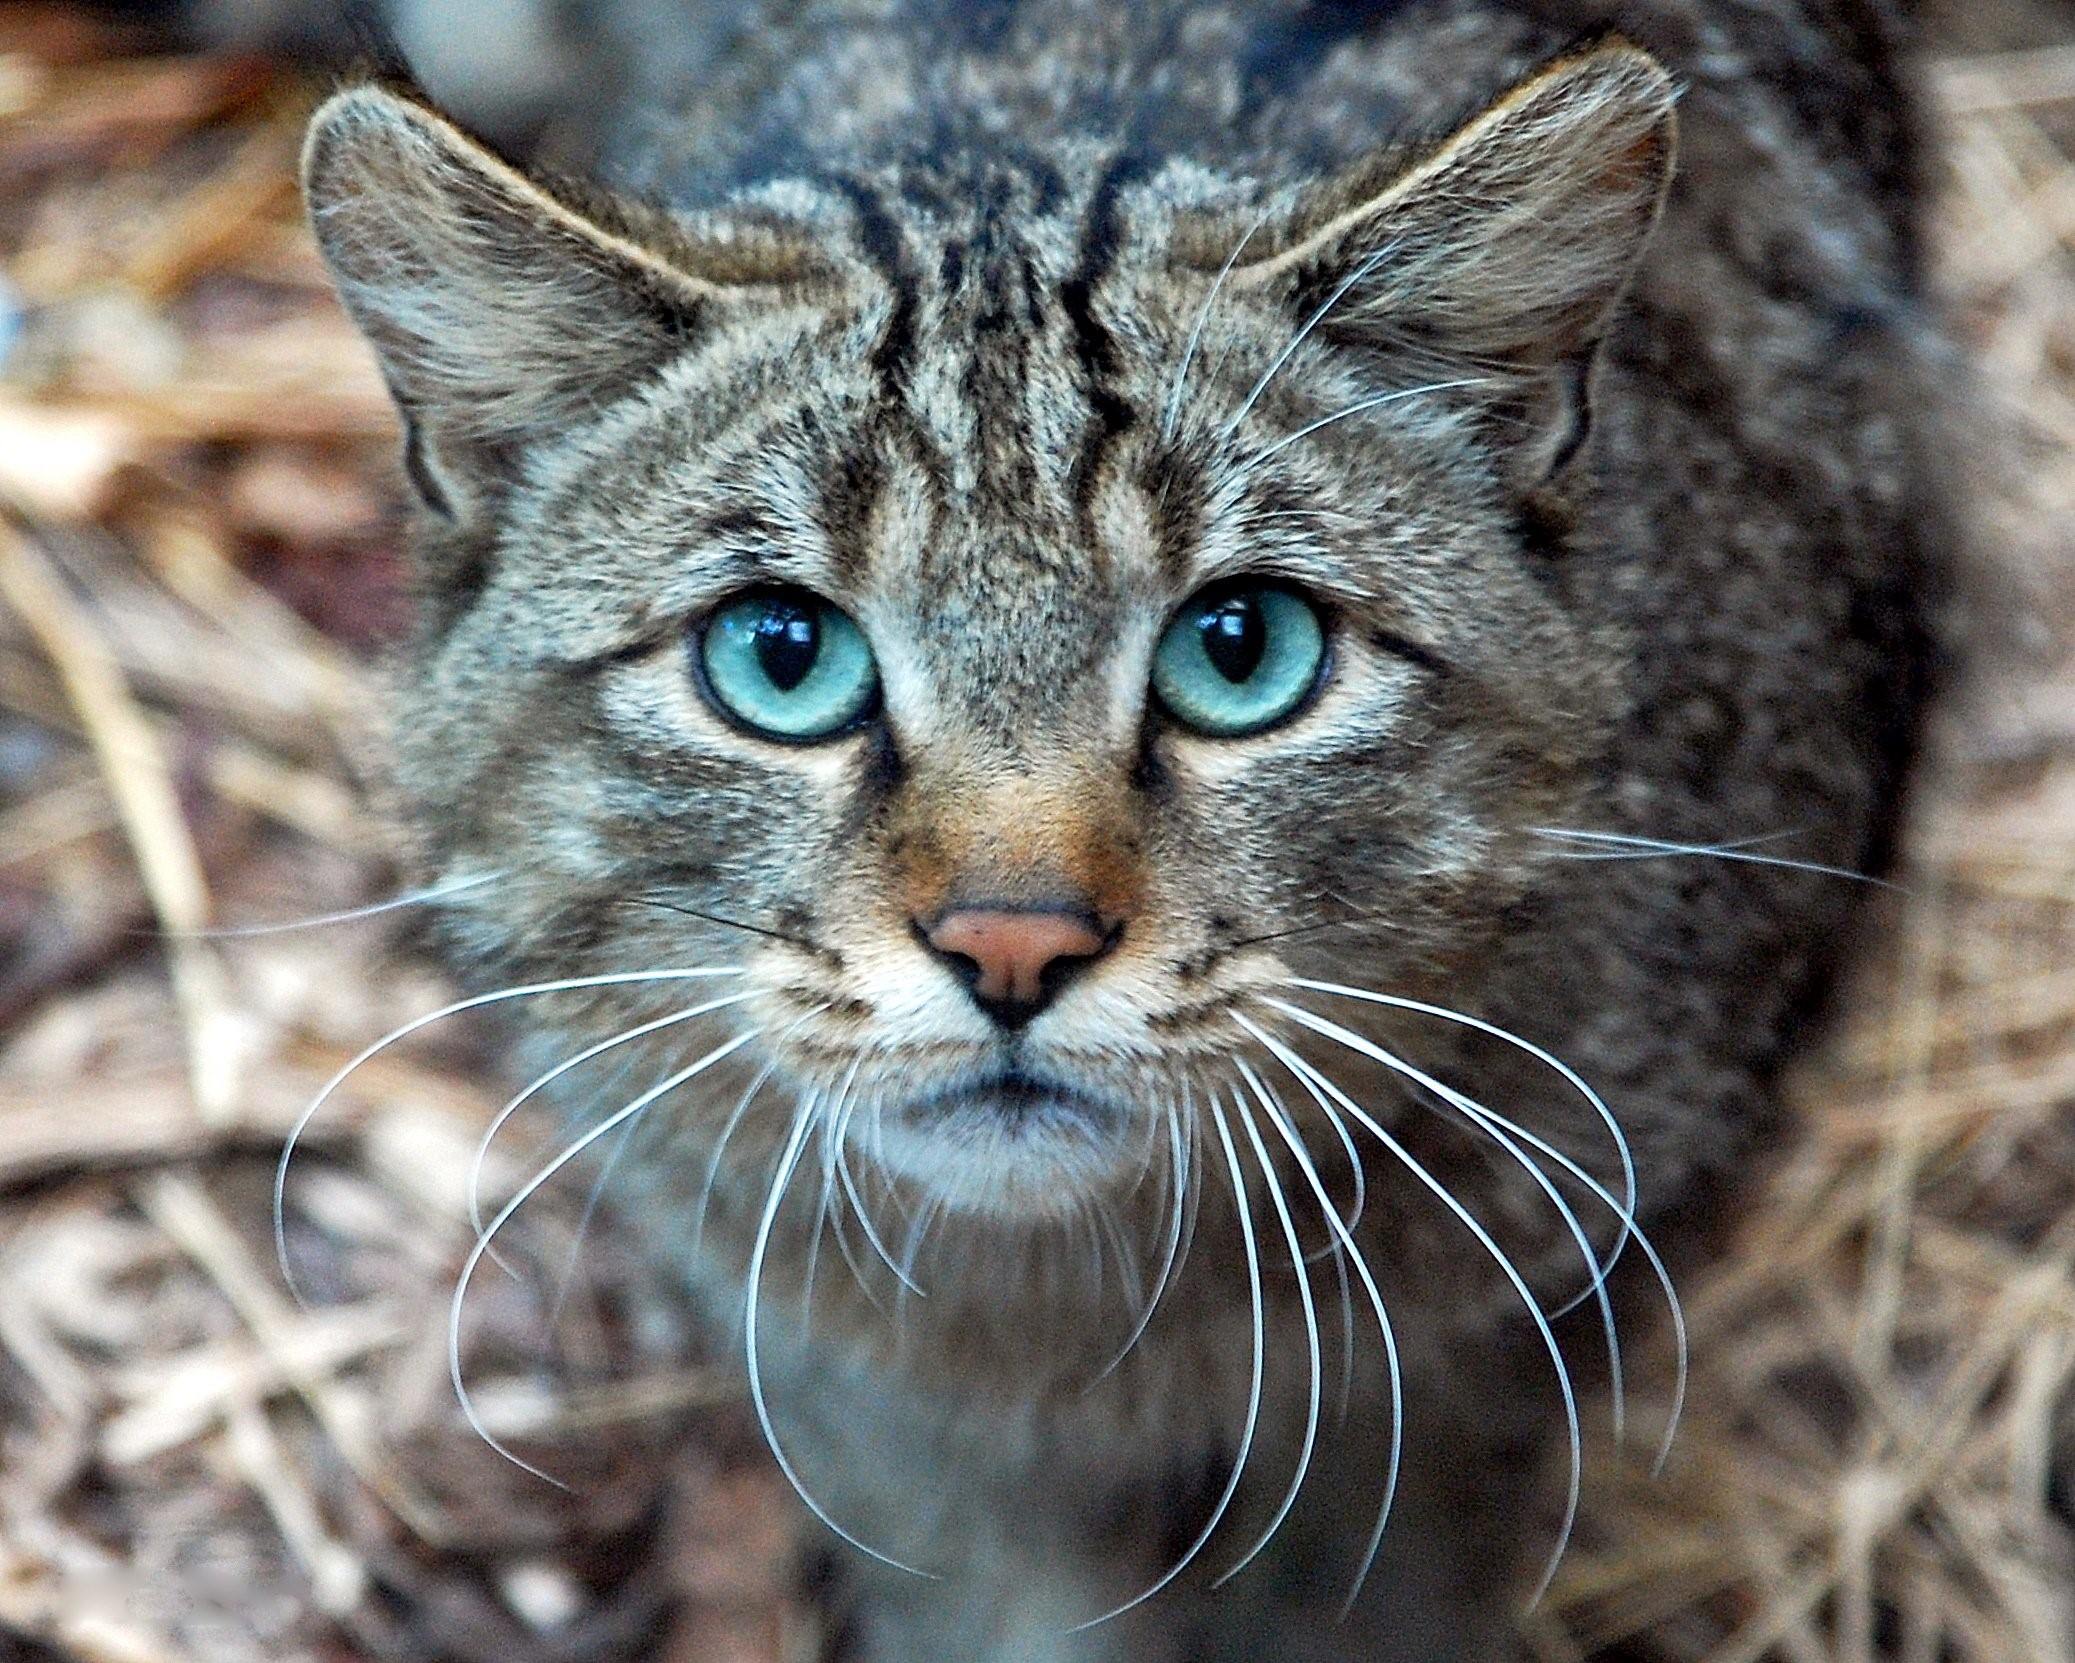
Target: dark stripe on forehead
[(1093, 346), (849, 495), (879, 237)]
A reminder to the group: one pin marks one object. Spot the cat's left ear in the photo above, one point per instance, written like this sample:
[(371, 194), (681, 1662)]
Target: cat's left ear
[(504, 308), (1501, 252)]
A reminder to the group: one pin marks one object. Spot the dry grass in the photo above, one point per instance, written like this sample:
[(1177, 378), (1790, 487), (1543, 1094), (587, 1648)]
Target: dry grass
[(197, 547)]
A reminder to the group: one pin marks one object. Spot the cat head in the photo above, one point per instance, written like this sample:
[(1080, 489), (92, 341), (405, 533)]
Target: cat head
[(1013, 612)]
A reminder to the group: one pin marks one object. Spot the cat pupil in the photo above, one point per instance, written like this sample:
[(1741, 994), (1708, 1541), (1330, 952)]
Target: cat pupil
[(788, 642), (1234, 638)]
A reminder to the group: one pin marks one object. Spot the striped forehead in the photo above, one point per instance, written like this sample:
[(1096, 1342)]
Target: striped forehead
[(996, 409)]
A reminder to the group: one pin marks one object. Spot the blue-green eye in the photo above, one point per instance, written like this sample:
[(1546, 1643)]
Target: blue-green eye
[(1239, 658), (788, 665)]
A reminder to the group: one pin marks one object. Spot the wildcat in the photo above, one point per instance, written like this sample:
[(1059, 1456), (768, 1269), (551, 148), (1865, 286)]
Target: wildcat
[(1192, 680)]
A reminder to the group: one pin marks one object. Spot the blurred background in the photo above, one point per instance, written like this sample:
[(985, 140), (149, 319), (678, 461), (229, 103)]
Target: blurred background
[(199, 565)]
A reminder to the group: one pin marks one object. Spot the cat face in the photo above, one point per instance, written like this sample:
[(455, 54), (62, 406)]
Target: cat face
[(1014, 615)]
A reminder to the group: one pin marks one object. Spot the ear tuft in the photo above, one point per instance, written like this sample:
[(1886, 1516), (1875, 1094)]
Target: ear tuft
[(1514, 236), (1505, 247)]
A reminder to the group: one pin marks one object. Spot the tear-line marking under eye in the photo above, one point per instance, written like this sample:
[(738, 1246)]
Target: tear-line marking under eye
[(1411, 651), (606, 658)]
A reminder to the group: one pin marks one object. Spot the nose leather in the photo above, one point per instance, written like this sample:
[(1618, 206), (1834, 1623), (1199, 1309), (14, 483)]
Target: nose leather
[(1013, 949)]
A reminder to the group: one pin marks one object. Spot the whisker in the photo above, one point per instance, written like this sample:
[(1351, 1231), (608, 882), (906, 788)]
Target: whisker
[(599, 1185), (1279, 1118), (604, 1128), (836, 1168), (619, 978), (1619, 846), (1352, 1218), (864, 1219), (1318, 317), (918, 1229), (1281, 1204), (1360, 406), (1305, 1071), (841, 1139), (1641, 848), (1527, 1047), (821, 1217), (660, 905), (1107, 1229), (1253, 1407), (1181, 375), (1388, 920), (512, 1107), (1594, 1269), (713, 1163), (1347, 1339), (788, 1163), (1480, 1114), (1178, 1178), (350, 915)]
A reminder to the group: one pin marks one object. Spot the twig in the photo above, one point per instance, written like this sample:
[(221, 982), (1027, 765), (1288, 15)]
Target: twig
[(149, 808), (179, 1207)]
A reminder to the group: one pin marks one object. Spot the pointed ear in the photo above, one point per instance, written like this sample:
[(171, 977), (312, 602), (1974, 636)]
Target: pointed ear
[(1504, 248), (499, 307)]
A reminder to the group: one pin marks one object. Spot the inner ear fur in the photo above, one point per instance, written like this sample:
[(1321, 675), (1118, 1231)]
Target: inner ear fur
[(501, 306), (1504, 248)]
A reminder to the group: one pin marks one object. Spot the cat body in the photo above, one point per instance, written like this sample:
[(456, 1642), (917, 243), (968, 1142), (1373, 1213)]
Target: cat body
[(991, 346)]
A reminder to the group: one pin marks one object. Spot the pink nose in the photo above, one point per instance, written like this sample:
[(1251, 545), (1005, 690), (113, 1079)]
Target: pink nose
[(1012, 959)]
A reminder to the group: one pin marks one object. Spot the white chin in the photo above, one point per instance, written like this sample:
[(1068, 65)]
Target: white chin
[(1024, 1153)]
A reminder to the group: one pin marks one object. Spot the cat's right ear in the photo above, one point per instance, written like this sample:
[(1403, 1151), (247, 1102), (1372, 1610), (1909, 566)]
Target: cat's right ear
[(501, 307)]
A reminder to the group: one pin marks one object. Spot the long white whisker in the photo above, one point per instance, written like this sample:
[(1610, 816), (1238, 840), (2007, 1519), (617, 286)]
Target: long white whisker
[(349, 915), (1621, 847), (841, 1171), (1178, 1179), (619, 978), (831, 1111), (1528, 1047), (837, 1154), (836, 1117), (1595, 1271), (1279, 1118), (497, 1123), (713, 1163), (788, 1163), (734, 1121), (1347, 1338), (1281, 1204), (918, 1229), (1107, 1229), (1368, 1122), (1360, 406), (1482, 1115), (1253, 1406), (1181, 376), (1352, 1218), (476, 1253), (599, 1185), (864, 1219), (821, 1215), (1318, 317)]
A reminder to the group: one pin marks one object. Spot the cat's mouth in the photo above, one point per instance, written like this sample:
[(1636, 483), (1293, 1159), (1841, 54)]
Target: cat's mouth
[(1007, 1142), (1012, 1102)]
